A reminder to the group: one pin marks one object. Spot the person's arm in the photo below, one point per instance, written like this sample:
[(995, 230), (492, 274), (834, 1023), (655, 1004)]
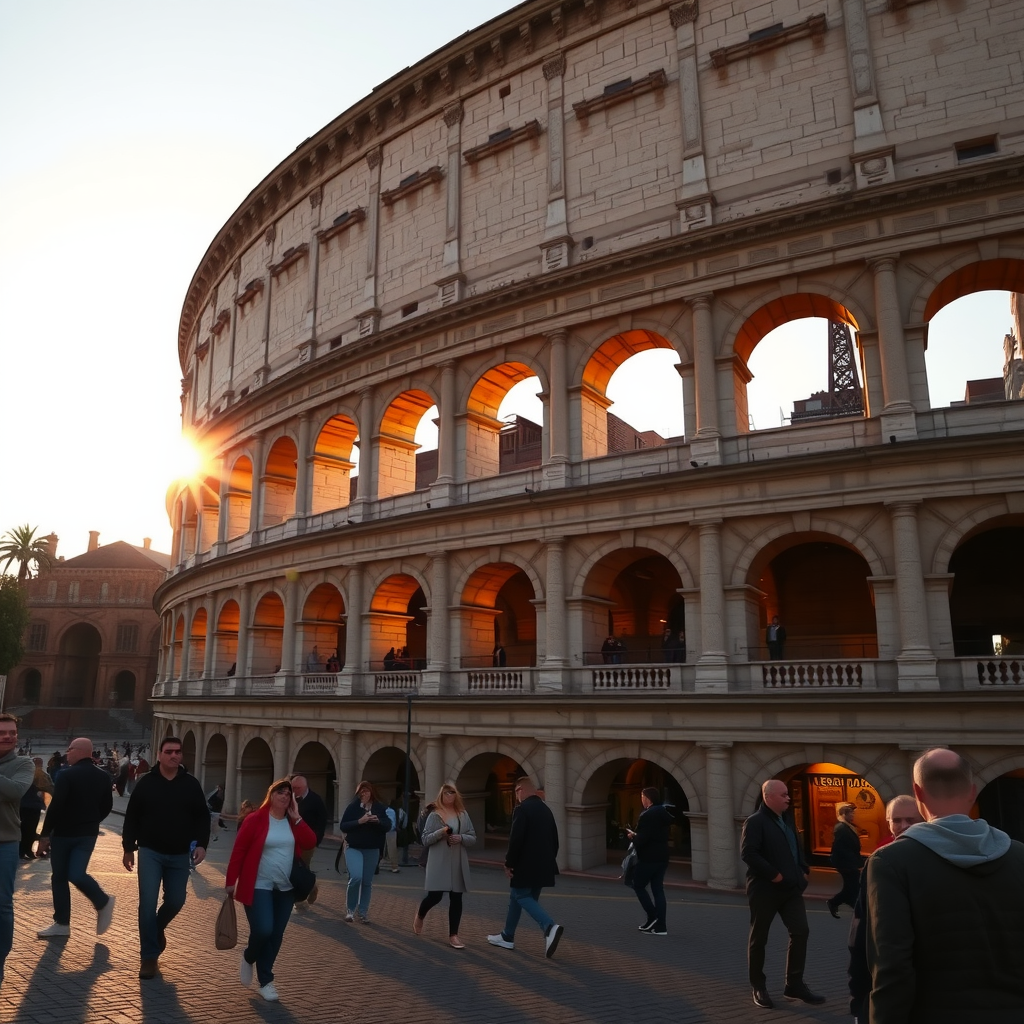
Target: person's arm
[(434, 829), (890, 944), (18, 783), (105, 803), (56, 809), (516, 839), (243, 840), (201, 820), (468, 833), (305, 837), (751, 841), (350, 817), (642, 835)]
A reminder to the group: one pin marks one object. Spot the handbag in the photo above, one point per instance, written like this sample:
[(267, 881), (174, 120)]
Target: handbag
[(302, 879), (629, 863), (226, 931)]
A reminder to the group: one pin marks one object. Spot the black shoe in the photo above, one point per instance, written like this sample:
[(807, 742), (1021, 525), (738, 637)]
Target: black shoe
[(832, 909), (804, 994), (762, 999), (648, 925)]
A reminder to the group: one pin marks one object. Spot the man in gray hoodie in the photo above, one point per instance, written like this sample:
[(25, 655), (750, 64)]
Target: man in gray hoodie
[(945, 910)]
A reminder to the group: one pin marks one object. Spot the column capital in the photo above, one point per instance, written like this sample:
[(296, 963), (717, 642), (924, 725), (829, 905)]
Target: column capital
[(452, 113), (701, 301), (715, 746), (708, 525), (683, 13), (880, 264), (559, 334), (903, 507), (554, 66)]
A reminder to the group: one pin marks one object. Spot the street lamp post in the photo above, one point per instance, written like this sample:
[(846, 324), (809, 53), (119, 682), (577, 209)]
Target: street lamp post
[(408, 773)]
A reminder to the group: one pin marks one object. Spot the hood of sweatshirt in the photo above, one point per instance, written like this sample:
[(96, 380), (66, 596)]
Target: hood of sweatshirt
[(963, 841)]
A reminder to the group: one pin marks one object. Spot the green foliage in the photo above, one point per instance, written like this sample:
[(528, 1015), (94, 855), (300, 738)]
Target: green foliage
[(21, 545), (13, 623)]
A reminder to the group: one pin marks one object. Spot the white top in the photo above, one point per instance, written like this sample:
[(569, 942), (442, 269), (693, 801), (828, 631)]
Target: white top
[(278, 853)]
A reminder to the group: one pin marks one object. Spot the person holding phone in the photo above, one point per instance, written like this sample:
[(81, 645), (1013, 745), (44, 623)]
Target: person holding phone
[(651, 842), (259, 877), (447, 833), (365, 824)]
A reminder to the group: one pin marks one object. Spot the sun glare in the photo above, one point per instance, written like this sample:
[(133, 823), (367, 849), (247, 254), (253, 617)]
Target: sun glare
[(185, 459)]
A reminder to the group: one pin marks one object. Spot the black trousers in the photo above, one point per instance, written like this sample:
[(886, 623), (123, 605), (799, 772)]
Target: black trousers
[(850, 889), (454, 908), (29, 826), (767, 900)]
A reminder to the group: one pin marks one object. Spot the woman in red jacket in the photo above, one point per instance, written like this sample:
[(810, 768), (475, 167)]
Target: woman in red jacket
[(258, 875)]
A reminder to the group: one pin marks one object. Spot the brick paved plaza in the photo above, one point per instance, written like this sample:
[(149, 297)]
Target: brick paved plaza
[(605, 970)]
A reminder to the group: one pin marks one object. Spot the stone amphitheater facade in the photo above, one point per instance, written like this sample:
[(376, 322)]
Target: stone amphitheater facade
[(570, 184)]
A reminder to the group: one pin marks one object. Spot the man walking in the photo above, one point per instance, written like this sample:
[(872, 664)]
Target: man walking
[(16, 775), (313, 812), (167, 812), (776, 879), (82, 798), (530, 866), (945, 913)]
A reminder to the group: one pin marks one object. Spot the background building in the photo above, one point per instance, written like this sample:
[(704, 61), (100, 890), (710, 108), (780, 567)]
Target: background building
[(571, 184)]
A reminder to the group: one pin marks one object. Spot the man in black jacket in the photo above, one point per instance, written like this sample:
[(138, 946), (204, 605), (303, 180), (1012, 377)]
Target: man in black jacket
[(82, 798), (167, 812), (531, 866), (650, 840), (845, 858), (313, 812), (776, 879)]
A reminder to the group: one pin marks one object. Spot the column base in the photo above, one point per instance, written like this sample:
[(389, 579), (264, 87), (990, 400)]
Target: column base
[(899, 422), (431, 682), (917, 671), (550, 680), (442, 493), (556, 474), (347, 683), (706, 451), (712, 674)]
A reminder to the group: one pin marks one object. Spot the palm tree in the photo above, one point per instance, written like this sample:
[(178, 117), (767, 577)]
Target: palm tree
[(21, 545)]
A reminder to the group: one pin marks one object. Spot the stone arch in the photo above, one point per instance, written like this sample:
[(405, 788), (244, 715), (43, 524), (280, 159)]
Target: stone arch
[(956, 533), (992, 770), (279, 480), (196, 644), (215, 760), (526, 565), (963, 274), (383, 764), (672, 552), (188, 751), (396, 440), (266, 633), (675, 764), (332, 464), (239, 496), (226, 637), (590, 338), (77, 666), (30, 685), (394, 621), (488, 381), (255, 769), (322, 623), (497, 616), (314, 760), (521, 751)]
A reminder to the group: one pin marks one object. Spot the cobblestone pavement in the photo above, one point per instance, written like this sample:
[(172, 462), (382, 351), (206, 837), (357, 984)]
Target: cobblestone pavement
[(605, 969)]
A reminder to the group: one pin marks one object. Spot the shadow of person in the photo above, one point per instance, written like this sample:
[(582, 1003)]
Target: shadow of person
[(160, 1002), (76, 984)]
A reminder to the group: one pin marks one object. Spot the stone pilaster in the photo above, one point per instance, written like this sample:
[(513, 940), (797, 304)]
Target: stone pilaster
[(721, 822), (440, 491), (705, 444), (437, 625), (349, 676), (186, 643), (304, 467), (556, 464), (307, 346), (555, 660), (345, 751), (435, 768), (367, 489), (290, 663), (256, 498), (369, 316), (210, 650), (280, 746), (554, 791), (244, 612), (556, 247), (712, 671), (898, 418), (231, 799), (916, 664)]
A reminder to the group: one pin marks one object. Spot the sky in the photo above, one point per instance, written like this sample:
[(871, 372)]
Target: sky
[(129, 133)]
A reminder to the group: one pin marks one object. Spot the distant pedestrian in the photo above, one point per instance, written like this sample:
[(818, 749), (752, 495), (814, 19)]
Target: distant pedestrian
[(33, 804), (530, 864), (447, 834), (314, 814), (650, 840), (215, 802), (845, 858), (775, 638), (498, 657), (16, 775), (82, 799), (258, 876), (365, 824), (165, 815)]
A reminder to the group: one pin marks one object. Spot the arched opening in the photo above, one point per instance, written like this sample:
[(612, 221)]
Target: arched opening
[(255, 772), (267, 634), (398, 625), (1001, 803), (492, 444), (31, 686), (226, 639), (239, 497), (398, 471), (634, 373), (215, 764), (799, 361), (196, 646), (188, 753), (209, 513), (177, 647), (815, 790), (818, 587), (189, 525), (611, 803), (314, 761), (77, 668), (124, 689), (986, 603), (487, 783), (322, 629), (279, 482), (631, 596), (498, 618), (386, 770), (333, 465)]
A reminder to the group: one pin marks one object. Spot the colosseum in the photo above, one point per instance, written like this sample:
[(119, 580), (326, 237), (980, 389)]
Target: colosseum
[(572, 184)]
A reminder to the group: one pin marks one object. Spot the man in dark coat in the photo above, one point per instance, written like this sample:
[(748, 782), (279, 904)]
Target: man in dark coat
[(82, 798), (530, 864), (314, 813), (845, 857), (650, 840), (945, 913), (776, 879)]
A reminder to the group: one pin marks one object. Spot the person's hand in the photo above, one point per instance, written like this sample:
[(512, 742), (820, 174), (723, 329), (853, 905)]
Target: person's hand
[(199, 856), (630, 833), (128, 860), (454, 840), (43, 847), (229, 889), (778, 877), (508, 871)]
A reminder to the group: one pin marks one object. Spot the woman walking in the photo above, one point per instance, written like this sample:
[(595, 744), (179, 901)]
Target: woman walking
[(446, 834), (651, 843), (365, 824), (258, 875)]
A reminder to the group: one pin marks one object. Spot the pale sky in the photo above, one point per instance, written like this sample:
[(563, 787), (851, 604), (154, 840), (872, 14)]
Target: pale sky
[(130, 133)]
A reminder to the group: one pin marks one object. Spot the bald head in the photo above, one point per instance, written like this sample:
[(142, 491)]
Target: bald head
[(901, 813), (78, 749), (775, 794), (525, 787), (943, 784)]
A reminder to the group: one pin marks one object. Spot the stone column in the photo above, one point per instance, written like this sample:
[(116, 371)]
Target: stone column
[(308, 349), (559, 396), (231, 771), (704, 446), (437, 622), (346, 760), (898, 419), (722, 840), (223, 512), (554, 792), (242, 652), (916, 662), (867, 114), (304, 467), (210, 653), (367, 489), (435, 769), (280, 746), (186, 643), (440, 491), (555, 656), (369, 316), (557, 244), (353, 632), (712, 670), (290, 662), (449, 287), (256, 500)]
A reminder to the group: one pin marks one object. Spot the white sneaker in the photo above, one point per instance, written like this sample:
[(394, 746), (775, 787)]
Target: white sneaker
[(349, 916), (104, 916), (500, 940), (245, 972), (551, 940), (269, 992), (55, 931)]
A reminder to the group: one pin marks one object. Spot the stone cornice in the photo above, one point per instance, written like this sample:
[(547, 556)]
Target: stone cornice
[(620, 92), (815, 25), (503, 140), (415, 182)]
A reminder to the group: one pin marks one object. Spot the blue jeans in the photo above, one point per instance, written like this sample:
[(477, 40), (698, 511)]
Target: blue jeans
[(69, 861), (268, 917), (8, 869), (170, 869), (361, 865), (520, 900), (652, 875)]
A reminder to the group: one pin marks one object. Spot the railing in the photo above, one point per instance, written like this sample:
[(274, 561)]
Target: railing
[(499, 680), (632, 677), (260, 686), (814, 674), (1000, 671), (649, 655), (395, 682), (326, 682)]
